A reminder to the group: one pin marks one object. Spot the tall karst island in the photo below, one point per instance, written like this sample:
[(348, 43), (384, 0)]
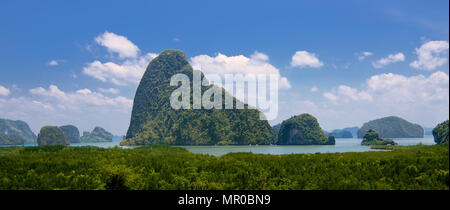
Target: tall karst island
[(154, 121)]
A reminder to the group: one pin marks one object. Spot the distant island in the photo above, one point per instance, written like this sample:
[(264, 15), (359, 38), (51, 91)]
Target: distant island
[(15, 132), (392, 127), (153, 121), (72, 133), (97, 135), (302, 130), (372, 138), (349, 132)]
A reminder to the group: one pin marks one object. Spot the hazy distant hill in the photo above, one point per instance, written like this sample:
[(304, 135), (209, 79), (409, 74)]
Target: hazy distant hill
[(392, 127), (17, 128), (352, 130), (97, 135), (72, 133)]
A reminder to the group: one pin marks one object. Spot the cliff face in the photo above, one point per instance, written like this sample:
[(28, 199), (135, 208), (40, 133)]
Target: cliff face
[(72, 133), (17, 128), (154, 121), (51, 135), (440, 133), (302, 130), (392, 127)]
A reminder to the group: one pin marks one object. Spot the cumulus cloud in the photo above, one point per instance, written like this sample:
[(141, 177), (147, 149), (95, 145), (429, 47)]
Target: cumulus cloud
[(79, 99), (347, 94), (364, 55), (314, 89), (431, 55), (53, 63), (305, 59), (126, 72), (391, 58), (83, 107), (109, 90), (418, 89), (4, 91), (118, 44), (257, 63), (419, 98)]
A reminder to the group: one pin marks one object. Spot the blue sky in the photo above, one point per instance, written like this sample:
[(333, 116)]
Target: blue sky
[(344, 90)]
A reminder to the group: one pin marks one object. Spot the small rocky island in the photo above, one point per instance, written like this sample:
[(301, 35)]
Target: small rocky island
[(97, 135), (303, 130), (51, 135), (372, 138)]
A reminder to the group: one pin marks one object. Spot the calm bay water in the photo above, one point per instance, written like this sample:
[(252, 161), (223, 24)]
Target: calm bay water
[(342, 145)]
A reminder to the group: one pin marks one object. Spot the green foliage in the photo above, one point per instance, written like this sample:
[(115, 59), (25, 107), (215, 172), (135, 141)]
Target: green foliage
[(16, 128), (170, 168), (72, 133), (154, 121), (372, 138), (302, 130), (97, 135), (440, 133), (51, 135), (392, 127), (11, 139)]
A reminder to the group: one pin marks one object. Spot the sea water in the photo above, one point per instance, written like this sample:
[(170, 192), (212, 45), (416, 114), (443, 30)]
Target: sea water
[(342, 145)]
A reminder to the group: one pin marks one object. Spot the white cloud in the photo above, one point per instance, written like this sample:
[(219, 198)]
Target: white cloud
[(418, 98), (109, 90), (314, 89), (83, 107), (431, 55), (330, 96), (80, 98), (4, 91), (129, 71), (391, 58), (118, 44), (394, 88), (347, 94), (257, 63), (52, 63), (305, 59), (364, 55)]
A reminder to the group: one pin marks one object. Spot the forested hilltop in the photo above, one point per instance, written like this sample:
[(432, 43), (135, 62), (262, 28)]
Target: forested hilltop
[(15, 132), (154, 121), (302, 130), (162, 167), (99, 134), (392, 127)]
